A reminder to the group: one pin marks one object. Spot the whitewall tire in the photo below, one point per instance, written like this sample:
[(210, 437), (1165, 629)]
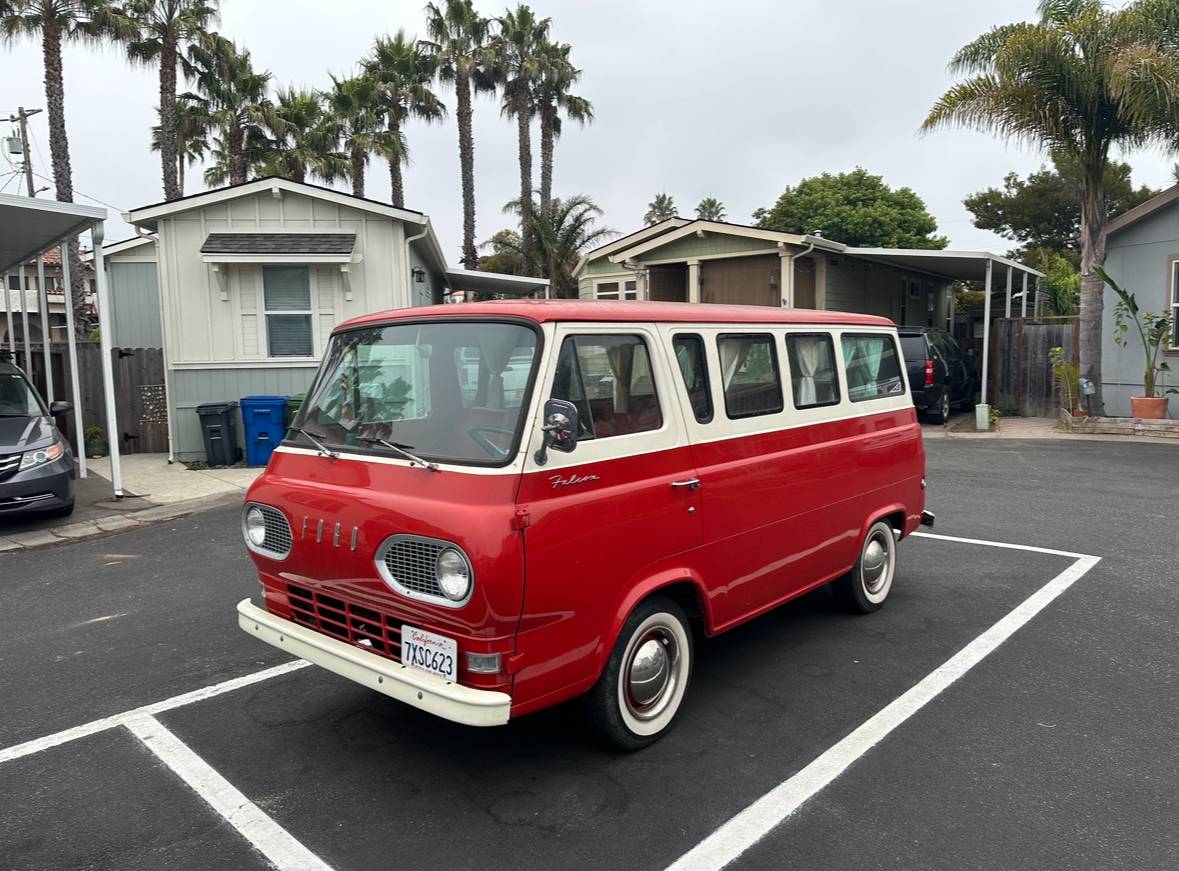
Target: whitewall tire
[(866, 587)]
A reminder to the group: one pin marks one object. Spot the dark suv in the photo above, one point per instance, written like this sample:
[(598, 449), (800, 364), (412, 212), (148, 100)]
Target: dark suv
[(940, 375), (36, 463)]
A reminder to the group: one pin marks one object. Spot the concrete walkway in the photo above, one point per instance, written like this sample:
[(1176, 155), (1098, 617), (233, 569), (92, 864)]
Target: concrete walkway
[(961, 426), (154, 491)]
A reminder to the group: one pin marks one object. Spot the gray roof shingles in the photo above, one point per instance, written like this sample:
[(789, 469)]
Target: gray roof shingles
[(279, 243)]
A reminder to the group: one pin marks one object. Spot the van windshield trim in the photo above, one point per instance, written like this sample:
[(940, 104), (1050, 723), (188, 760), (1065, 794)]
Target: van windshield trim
[(369, 448)]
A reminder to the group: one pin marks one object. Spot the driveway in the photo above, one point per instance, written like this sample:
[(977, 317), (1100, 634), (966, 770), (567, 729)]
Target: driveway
[(1054, 749)]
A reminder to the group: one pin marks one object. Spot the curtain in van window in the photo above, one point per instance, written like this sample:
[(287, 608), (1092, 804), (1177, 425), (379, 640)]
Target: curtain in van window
[(622, 363), (808, 353), (732, 355)]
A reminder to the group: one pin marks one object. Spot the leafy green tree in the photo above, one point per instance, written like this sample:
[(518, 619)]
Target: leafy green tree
[(191, 137), (403, 70), (521, 54), (1043, 210), (856, 208), (461, 38), (553, 96), (505, 256), (1081, 80), (54, 23), (659, 209), (235, 98), (305, 139), (561, 234), (710, 209), (161, 29)]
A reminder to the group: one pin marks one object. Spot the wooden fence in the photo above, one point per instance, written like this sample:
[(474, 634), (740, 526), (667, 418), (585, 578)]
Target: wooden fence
[(1021, 373), (140, 406)]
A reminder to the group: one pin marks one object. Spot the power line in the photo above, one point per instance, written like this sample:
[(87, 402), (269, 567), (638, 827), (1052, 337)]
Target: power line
[(81, 193)]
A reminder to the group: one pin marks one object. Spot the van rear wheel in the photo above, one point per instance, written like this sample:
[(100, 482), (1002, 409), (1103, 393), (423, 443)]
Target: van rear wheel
[(636, 699), (864, 589)]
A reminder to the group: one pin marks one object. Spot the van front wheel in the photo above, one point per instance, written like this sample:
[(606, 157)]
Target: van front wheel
[(640, 691), (864, 589)]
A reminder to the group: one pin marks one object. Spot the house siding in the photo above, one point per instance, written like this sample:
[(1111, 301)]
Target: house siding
[(856, 285), (135, 305), (1137, 257), (713, 244)]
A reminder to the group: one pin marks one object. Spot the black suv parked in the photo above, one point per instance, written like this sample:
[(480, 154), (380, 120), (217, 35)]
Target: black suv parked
[(940, 375), (36, 463)]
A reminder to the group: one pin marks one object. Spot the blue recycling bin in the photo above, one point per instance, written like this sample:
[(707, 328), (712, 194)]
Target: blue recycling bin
[(264, 419)]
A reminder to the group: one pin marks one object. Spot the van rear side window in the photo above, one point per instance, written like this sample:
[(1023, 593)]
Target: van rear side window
[(609, 379), (749, 369), (689, 354), (873, 369), (812, 369)]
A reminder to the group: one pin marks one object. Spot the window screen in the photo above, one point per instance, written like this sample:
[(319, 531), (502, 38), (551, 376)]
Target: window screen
[(689, 354), (873, 369), (609, 379), (287, 298), (812, 369), (749, 369)]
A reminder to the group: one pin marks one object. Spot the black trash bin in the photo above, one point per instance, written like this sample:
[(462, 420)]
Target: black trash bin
[(219, 428)]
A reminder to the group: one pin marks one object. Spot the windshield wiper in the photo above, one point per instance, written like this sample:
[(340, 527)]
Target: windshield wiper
[(324, 450), (400, 449)]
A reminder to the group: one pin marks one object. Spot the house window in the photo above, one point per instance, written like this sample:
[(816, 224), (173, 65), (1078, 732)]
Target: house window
[(612, 289), (14, 282), (286, 294)]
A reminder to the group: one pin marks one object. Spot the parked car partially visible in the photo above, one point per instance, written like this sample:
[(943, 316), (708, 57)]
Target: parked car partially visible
[(37, 469), (941, 376)]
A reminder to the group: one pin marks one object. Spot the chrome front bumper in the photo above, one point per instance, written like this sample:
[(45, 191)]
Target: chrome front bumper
[(413, 686)]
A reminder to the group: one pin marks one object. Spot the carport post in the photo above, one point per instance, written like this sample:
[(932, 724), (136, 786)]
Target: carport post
[(105, 327), (43, 304), (982, 412), (1007, 311), (8, 316), (24, 322), (1024, 306), (75, 389)]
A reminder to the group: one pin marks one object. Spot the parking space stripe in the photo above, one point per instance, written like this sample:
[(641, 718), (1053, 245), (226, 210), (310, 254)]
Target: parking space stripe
[(1003, 544), (85, 730), (752, 824), (268, 837)]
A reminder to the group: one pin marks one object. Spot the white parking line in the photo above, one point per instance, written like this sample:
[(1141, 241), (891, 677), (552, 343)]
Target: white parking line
[(93, 727), (760, 818), (268, 837)]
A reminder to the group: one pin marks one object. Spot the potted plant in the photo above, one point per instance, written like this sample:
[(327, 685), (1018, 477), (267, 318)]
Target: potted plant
[(95, 442), (1155, 333)]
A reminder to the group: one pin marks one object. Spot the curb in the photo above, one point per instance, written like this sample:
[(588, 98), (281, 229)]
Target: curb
[(114, 523)]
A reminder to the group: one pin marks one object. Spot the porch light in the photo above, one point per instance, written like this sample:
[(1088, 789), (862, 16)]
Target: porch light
[(419, 274)]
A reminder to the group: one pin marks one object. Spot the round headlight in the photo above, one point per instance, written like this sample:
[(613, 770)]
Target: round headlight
[(453, 574), (256, 526)]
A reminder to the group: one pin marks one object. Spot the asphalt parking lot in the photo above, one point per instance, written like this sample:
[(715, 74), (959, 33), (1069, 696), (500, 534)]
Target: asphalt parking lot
[(1055, 750)]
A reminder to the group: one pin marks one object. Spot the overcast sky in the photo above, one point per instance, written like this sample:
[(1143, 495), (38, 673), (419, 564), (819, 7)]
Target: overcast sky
[(735, 100)]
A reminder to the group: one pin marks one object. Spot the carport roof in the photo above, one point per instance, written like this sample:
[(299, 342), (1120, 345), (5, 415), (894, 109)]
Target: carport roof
[(493, 282), (29, 226), (955, 265)]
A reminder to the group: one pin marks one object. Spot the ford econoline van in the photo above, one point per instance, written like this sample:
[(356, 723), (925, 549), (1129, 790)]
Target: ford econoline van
[(487, 509)]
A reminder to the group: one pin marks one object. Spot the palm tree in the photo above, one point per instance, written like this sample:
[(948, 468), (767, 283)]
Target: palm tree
[(191, 140), (1082, 79), (161, 30), (304, 139), (56, 22), (520, 53), (552, 97), (403, 70), (561, 233), (234, 96), (659, 209), (256, 149), (460, 38), (710, 209), (356, 106)]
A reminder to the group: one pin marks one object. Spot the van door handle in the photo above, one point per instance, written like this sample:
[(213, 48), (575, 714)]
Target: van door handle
[(693, 484)]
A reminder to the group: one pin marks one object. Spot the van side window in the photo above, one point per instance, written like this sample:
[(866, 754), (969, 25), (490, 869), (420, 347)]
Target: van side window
[(749, 373), (812, 369), (689, 354), (609, 379), (873, 369)]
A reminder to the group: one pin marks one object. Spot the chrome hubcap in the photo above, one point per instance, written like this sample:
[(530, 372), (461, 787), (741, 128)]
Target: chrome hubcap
[(874, 565), (650, 675)]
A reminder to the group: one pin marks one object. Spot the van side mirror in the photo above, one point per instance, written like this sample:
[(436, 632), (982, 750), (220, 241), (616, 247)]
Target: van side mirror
[(60, 407), (561, 422)]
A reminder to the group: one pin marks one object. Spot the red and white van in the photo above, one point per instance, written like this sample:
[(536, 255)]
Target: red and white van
[(483, 510)]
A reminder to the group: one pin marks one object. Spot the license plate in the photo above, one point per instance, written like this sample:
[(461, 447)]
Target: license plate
[(429, 651)]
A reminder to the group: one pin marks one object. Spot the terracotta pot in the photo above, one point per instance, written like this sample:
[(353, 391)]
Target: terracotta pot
[(1148, 407)]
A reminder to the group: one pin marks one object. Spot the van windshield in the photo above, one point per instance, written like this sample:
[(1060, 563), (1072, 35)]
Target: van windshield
[(17, 398), (447, 391)]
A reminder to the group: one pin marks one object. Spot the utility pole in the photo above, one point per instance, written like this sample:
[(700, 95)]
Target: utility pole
[(22, 118)]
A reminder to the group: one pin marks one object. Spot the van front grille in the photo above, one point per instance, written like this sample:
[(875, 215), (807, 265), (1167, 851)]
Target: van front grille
[(367, 628), (9, 465)]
